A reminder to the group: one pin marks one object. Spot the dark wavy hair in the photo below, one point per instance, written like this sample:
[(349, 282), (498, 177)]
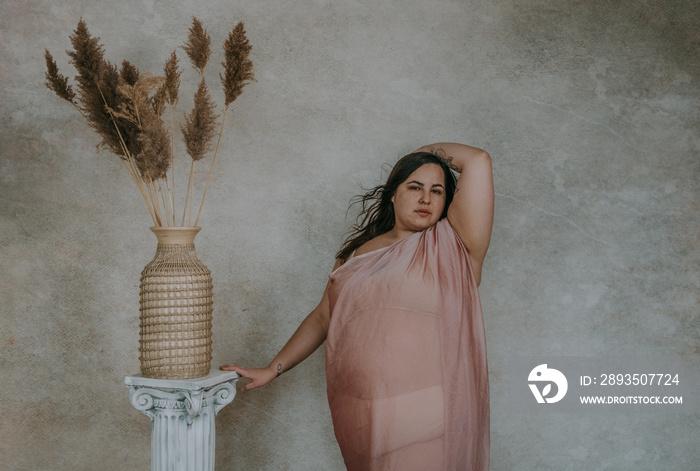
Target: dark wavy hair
[(377, 215)]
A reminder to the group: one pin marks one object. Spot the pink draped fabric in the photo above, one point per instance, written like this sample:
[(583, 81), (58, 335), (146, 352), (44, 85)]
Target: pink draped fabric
[(406, 357)]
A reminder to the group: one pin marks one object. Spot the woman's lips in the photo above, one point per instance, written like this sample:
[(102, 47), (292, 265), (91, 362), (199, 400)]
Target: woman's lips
[(423, 212)]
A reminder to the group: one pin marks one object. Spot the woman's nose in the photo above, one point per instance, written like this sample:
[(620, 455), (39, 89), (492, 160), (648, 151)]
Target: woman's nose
[(425, 197)]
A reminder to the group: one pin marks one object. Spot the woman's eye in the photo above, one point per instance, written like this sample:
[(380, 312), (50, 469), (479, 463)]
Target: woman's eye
[(437, 192), (414, 188)]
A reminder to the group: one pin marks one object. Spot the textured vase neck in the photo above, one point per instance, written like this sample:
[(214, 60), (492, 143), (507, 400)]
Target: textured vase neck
[(176, 235)]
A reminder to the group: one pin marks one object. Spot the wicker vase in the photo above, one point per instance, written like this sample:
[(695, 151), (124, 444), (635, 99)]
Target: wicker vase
[(176, 309)]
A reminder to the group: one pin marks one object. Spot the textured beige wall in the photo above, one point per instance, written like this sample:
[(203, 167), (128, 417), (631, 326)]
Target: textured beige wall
[(589, 109)]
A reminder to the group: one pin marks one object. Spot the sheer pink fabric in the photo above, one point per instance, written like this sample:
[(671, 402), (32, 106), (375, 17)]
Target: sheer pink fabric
[(406, 357)]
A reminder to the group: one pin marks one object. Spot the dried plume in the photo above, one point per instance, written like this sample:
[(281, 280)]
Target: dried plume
[(197, 46), (238, 69), (129, 74), (200, 125), (87, 56), (55, 81), (158, 101), (136, 107), (169, 89), (97, 83), (172, 79), (155, 157), (136, 99)]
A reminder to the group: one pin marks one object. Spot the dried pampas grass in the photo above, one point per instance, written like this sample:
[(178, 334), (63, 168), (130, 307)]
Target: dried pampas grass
[(197, 46), (127, 108), (238, 69), (238, 72)]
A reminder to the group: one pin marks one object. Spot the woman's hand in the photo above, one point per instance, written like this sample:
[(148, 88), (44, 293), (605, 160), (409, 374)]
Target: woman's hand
[(257, 376)]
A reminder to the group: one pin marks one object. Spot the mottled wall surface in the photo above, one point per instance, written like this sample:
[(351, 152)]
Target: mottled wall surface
[(589, 110)]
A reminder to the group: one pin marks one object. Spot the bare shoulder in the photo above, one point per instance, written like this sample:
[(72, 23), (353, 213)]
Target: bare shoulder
[(377, 243)]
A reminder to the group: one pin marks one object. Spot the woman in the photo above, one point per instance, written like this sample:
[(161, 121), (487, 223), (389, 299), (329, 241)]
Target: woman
[(401, 318)]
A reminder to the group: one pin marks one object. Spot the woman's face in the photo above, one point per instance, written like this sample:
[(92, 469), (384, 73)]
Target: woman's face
[(420, 200)]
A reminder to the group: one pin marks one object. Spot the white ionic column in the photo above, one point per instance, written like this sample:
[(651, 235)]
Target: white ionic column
[(182, 411)]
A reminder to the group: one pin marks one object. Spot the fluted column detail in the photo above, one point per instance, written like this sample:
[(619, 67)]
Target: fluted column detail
[(183, 414)]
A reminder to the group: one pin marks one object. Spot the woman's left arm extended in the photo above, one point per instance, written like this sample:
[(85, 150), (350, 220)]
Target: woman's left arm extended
[(471, 211)]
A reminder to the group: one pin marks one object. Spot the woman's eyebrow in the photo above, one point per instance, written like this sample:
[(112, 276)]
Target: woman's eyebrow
[(422, 184)]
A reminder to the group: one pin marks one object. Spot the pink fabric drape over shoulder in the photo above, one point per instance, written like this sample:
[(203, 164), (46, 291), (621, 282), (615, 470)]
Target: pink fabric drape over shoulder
[(406, 357)]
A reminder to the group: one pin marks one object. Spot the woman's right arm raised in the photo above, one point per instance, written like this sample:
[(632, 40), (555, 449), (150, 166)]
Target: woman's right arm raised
[(307, 338)]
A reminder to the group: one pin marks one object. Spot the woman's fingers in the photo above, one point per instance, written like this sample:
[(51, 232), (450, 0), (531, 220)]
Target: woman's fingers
[(232, 367), (257, 376)]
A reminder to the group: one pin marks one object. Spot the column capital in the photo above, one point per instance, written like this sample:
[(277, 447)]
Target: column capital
[(211, 392)]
